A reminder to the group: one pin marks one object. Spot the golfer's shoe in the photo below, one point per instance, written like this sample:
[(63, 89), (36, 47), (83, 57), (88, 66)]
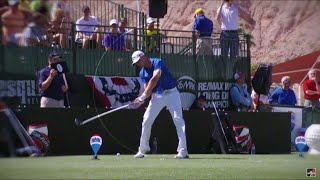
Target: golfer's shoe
[(139, 155), (183, 154)]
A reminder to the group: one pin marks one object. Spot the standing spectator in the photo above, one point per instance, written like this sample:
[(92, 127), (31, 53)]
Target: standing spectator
[(13, 23), (284, 95), (35, 33), (51, 85), (311, 89), (160, 85), (227, 16), (153, 37), (240, 98), (125, 32), (87, 29), (114, 40), (203, 28)]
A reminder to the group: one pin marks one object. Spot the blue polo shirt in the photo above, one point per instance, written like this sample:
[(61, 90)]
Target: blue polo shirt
[(166, 80), (115, 41), (54, 90), (281, 96), (204, 25)]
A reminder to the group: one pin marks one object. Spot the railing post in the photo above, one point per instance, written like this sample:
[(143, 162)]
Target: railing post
[(1, 49), (135, 39), (194, 55), (73, 48), (248, 40)]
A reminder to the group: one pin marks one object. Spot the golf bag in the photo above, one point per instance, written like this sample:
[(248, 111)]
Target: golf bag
[(230, 138), (262, 79)]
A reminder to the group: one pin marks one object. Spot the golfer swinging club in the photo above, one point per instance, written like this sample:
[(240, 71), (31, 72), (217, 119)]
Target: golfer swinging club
[(159, 84)]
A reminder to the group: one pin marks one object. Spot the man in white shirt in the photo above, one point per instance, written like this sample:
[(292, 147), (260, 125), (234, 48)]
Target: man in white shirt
[(87, 29), (227, 16)]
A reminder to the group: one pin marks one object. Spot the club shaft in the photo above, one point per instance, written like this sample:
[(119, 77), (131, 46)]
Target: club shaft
[(103, 114)]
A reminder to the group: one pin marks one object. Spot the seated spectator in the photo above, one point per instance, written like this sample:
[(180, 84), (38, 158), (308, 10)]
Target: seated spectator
[(60, 29), (13, 23), (311, 89), (35, 33), (284, 95), (263, 99), (114, 40), (60, 4), (87, 29), (200, 103), (240, 98), (126, 33)]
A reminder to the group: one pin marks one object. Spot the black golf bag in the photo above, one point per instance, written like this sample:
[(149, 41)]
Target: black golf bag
[(230, 137), (262, 79)]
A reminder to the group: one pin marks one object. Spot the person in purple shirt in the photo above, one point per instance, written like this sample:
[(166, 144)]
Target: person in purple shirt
[(114, 40)]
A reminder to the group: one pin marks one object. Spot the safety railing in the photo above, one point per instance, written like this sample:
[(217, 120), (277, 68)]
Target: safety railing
[(90, 56)]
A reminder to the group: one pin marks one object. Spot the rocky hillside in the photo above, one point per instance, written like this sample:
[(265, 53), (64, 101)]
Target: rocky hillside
[(282, 30)]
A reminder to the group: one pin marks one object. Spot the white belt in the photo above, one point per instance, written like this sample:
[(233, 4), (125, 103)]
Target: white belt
[(169, 90)]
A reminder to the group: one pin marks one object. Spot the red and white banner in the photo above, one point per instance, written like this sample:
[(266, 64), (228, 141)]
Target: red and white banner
[(113, 92)]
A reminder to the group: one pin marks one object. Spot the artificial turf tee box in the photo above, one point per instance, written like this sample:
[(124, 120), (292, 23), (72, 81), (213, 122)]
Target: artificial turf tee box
[(198, 166)]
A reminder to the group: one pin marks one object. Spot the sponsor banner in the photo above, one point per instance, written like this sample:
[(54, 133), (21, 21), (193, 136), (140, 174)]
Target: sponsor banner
[(113, 92), (215, 92), (25, 89), (296, 119)]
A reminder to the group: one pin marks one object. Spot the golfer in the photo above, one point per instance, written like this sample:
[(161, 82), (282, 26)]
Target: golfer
[(159, 84)]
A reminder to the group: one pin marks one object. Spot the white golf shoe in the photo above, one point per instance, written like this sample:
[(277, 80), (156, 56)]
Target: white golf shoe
[(183, 154), (139, 155)]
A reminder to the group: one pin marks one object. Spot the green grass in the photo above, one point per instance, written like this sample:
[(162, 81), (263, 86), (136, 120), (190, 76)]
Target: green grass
[(198, 166)]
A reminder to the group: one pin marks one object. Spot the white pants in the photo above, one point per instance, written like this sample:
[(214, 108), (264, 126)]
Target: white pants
[(157, 103)]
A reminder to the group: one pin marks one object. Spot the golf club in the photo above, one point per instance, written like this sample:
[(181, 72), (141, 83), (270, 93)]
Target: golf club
[(80, 122)]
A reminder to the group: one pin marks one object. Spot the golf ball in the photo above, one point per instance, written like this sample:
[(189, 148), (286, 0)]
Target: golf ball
[(118, 154)]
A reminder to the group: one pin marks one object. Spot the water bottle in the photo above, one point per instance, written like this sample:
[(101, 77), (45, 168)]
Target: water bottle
[(155, 145), (253, 149)]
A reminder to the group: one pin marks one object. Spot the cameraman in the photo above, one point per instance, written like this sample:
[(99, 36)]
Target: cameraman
[(51, 85)]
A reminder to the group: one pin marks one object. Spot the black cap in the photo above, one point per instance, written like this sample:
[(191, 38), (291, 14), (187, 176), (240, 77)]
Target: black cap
[(53, 55), (85, 8)]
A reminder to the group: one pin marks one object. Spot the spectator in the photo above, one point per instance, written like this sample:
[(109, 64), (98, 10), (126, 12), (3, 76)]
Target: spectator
[(37, 4), (263, 99), (284, 95), (200, 103), (114, 40), (13, 23), (61, 4), (160, 85), (36, 33), (51, 85), (87, 29), (311, 89), (227, 16), (25, 4), (203, 28), (240, 97), (125, 32), (153, 37), (60, 29)]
